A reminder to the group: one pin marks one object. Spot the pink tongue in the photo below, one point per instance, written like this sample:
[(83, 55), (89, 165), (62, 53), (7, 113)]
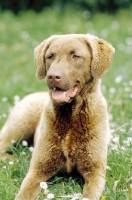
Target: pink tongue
[(64, 96), (58, 94)]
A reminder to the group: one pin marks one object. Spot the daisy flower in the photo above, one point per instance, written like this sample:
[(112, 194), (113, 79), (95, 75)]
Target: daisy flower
[(11, 163), (76, 196), (43, 185), (24, 143), (46, 191), (31, 149), (50, 196)]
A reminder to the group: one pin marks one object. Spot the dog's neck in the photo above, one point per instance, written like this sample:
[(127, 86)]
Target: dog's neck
[(73, 114)]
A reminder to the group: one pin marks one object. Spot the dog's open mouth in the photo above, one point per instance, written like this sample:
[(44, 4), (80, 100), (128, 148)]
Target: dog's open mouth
[(60, 96)]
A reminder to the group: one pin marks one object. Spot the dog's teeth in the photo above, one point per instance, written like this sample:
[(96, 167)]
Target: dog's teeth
[(54, 89)]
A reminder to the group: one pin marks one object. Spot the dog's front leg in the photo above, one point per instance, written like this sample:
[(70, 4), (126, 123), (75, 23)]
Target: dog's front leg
[(30, 187), (44, 164), (94, 183)]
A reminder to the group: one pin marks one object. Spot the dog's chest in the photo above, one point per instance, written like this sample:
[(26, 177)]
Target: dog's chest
[(74, 147), (73, 136)]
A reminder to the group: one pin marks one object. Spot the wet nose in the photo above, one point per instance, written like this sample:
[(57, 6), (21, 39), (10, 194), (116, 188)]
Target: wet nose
[(54, 76)]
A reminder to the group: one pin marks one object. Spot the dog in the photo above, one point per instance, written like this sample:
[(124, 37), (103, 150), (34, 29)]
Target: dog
[(70, 124)]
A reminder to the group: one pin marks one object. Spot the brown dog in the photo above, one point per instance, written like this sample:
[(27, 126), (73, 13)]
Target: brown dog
[(73, 130)]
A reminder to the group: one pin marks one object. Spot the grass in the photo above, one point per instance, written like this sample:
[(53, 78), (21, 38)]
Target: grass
[(19, 35)]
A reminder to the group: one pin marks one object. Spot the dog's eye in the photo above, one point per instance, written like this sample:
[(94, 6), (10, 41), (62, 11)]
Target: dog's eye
[(50, 56), (75, 56)]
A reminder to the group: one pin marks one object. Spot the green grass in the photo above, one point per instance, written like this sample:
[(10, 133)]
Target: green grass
[(18, 38)]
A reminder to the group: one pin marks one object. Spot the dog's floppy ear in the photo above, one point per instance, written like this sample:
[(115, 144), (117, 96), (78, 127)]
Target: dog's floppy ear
[(39, 54), (102, 54)]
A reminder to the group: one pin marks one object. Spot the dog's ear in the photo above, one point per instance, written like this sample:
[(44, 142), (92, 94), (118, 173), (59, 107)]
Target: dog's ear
[(39, 54), (102, 54)]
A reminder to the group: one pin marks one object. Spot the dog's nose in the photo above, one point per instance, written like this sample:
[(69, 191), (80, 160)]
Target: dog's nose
[(54, 76)]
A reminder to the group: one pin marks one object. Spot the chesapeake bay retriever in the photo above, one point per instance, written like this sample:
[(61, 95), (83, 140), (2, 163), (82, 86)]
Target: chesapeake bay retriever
[(71, 123)]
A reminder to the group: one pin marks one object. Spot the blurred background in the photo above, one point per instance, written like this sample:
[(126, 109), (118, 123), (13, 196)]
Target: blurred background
[(92, 5)]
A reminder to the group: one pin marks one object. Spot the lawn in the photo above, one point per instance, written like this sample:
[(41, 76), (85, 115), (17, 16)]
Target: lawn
[(19, 35)]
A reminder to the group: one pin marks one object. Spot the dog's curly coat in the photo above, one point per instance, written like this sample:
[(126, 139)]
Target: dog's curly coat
[(71, 123)]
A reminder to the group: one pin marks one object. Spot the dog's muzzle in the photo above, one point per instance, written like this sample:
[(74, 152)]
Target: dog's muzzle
[(60, 96)]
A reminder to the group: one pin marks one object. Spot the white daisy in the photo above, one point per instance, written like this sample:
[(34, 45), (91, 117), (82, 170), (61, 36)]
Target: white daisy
[(24, 143), (11, 163), (31, 149), (43, 185), (50, 196)]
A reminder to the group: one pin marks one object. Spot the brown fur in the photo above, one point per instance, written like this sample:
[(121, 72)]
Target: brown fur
[(73, 131)]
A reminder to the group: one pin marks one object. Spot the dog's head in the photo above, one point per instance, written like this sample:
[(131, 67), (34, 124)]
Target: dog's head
[(70, 61)]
